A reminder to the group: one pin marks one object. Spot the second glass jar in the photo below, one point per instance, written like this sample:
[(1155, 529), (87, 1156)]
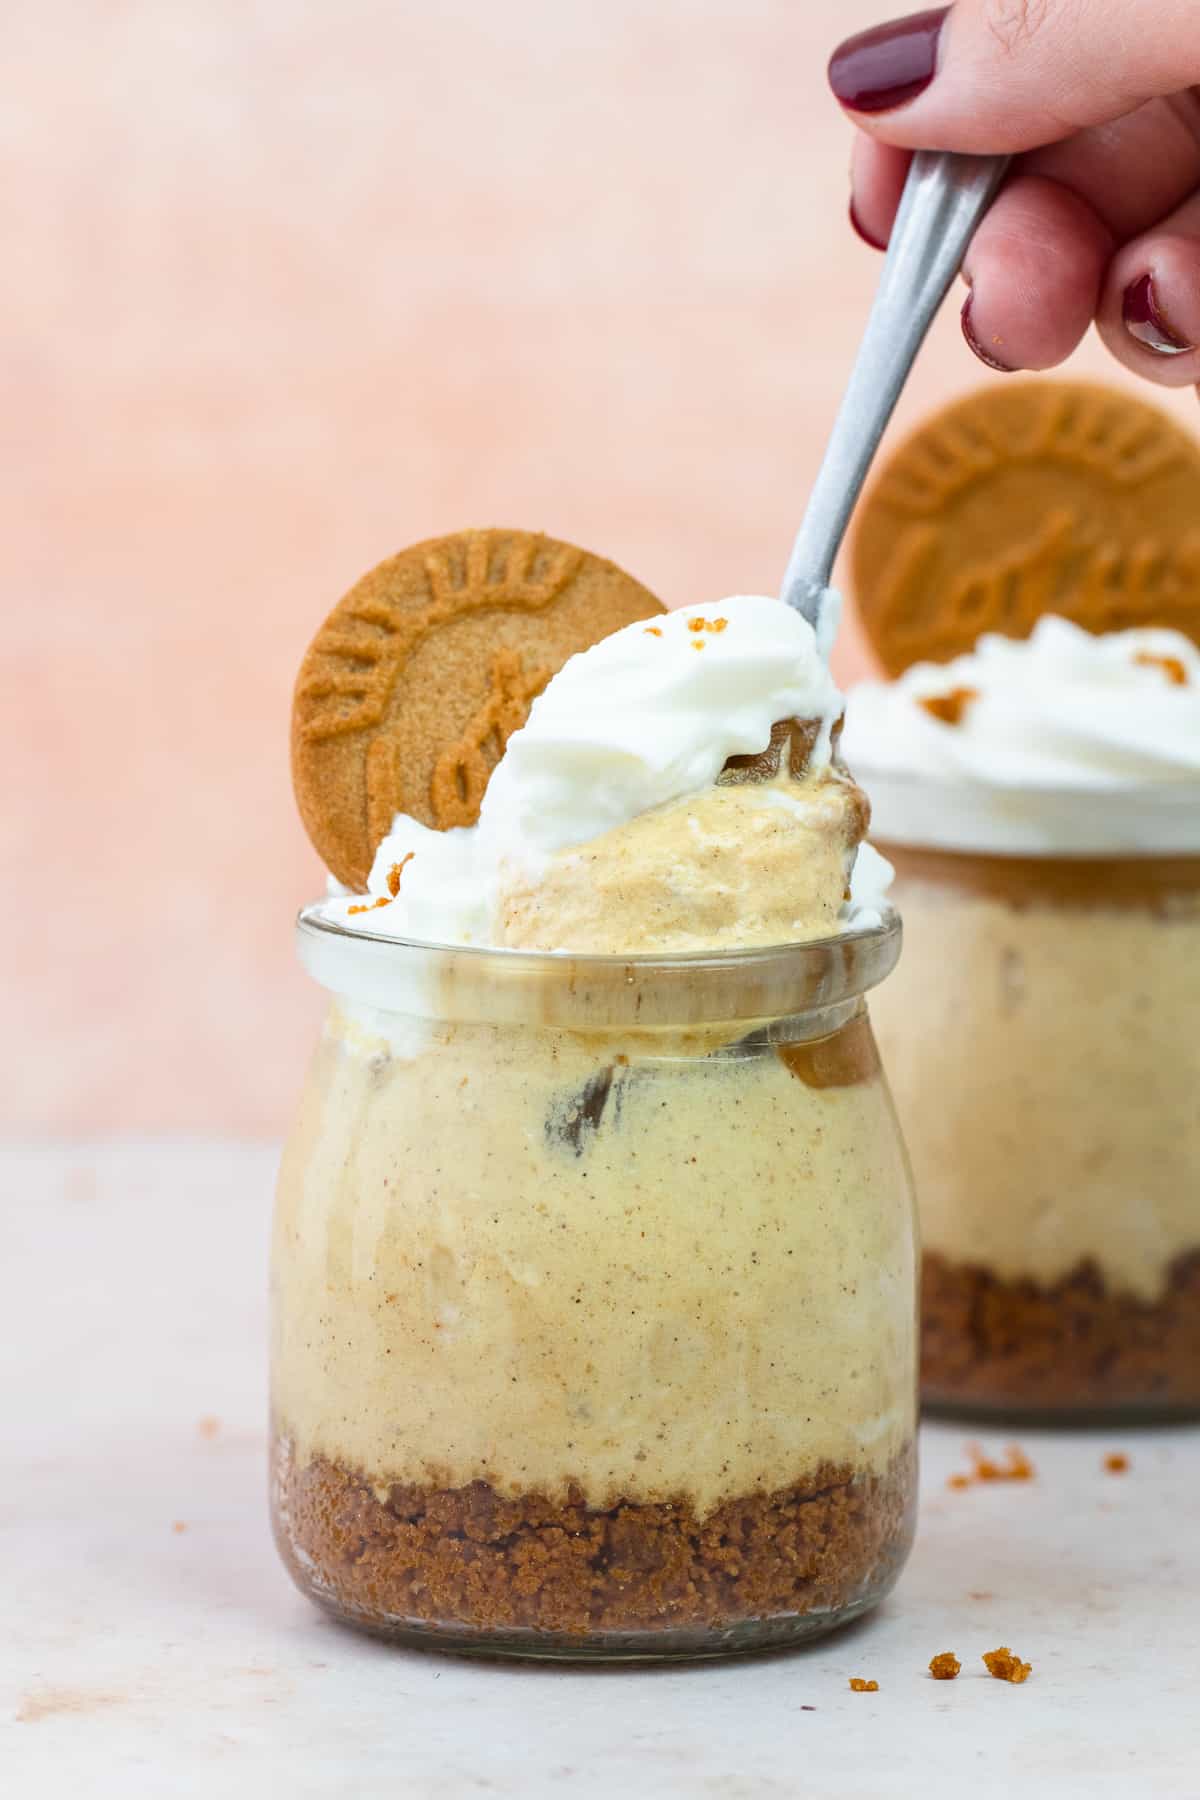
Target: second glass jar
[(1043, 1036)]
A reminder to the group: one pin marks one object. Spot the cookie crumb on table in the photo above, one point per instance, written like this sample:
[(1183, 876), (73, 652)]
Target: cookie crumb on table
[(1004, 1665), (944, 1666), (859, 1686), (1015, 1467), (1116, 1462)]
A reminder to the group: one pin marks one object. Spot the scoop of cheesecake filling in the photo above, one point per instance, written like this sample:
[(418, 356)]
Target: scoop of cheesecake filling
[(650, 804), (763, 857)]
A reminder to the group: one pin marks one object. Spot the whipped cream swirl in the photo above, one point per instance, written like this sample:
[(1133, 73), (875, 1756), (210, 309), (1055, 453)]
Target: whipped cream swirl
[(1066, 740)]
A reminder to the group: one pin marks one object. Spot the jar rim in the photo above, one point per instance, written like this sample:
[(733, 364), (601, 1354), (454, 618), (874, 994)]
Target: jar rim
[(921, 810), (583, 992)]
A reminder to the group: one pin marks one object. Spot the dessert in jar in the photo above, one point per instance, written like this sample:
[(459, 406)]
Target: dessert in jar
[(593, 1274), (1040, 801), (1027, 566)]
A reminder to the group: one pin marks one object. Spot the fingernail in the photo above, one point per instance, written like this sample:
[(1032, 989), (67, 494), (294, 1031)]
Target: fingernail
[(888, 65), (1144, 320), (985, 356), (866, 236)]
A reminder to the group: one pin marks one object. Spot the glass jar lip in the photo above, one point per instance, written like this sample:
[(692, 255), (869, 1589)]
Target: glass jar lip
[(482, 983), (925, 811)]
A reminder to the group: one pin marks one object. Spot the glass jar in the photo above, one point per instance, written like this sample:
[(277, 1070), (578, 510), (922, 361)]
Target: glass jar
[(1043, 1038), (594, 1299)]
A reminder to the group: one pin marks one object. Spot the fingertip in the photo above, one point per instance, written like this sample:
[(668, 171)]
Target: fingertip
[(1144, 317), (1035, 270), (877, 176), (1149, 314), (860, 230), (989, 357)]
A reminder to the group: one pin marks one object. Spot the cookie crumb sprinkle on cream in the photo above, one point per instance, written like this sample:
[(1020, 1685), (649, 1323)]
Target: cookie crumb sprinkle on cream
[(859, 1686), (1171, 666), (1116, 1462), (396, 871), (944, 1666), (1005, 1665), (949, 708)]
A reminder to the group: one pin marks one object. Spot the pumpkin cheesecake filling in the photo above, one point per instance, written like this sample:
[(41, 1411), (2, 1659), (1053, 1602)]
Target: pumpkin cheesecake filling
[(1058, 1175), (532, 1310)]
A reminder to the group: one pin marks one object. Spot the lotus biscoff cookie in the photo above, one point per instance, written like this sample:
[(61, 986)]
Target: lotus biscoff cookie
[(1036, 497), (421, 673)]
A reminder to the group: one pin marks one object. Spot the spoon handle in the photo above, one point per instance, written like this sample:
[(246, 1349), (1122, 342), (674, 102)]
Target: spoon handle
[(945, 197)]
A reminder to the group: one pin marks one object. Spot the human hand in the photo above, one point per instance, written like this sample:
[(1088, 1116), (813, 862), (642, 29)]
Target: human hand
[(1100, 217)]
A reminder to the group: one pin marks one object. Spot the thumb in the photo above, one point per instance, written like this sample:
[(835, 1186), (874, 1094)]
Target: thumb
[(1007, 75)]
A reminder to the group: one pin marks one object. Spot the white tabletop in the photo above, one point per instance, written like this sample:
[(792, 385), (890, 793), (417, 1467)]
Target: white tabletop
[(153, 1646)]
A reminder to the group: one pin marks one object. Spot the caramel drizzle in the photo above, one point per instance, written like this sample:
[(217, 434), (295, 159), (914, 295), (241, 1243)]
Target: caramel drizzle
[(844, 1059)]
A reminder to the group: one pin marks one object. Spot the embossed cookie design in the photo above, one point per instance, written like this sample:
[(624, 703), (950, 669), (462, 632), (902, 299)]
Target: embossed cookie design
[(420, 675), (1042, 496)]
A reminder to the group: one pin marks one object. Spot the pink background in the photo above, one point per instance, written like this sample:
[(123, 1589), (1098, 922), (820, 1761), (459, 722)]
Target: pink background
[(287, 288)]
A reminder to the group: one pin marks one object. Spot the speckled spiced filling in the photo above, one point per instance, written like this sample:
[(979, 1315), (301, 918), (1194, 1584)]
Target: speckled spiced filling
[(469, 1559), (1077, 1345)]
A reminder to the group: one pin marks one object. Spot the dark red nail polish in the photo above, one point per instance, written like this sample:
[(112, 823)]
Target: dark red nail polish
[(888, 65), (985, 356), (867, 237), (1144, 320)]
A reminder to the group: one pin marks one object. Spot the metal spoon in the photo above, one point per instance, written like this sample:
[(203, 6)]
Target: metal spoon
[(945, 197)]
